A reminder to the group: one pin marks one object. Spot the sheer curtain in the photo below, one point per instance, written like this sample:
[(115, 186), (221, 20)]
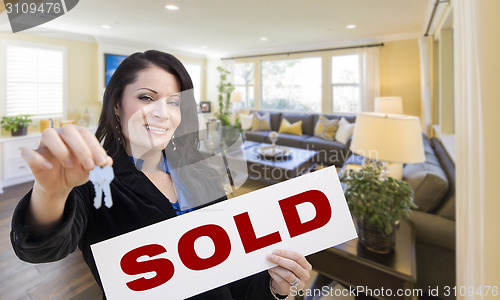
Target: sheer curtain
[(425, 102), (369, 77), (476, 47)]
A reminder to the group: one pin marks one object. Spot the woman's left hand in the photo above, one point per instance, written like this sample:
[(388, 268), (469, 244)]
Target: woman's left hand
[(292, 270)]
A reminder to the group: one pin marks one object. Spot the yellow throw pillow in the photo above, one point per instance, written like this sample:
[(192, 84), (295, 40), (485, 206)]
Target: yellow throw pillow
[(261, 122), (325, 128), (295, 128)]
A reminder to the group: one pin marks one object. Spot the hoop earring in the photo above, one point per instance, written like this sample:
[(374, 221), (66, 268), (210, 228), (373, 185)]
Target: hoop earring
[(173, 142)]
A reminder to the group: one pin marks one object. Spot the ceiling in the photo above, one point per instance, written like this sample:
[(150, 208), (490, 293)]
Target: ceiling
[(235, 27)]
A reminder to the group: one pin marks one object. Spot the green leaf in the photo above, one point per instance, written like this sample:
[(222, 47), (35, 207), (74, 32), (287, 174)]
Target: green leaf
[(13, 122), (380, 201), (224, 99)]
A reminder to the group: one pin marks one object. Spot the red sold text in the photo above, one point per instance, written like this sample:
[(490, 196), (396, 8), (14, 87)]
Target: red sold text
[(165, 269)]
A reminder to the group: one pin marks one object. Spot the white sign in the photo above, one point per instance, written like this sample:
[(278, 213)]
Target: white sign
[(224, 242)]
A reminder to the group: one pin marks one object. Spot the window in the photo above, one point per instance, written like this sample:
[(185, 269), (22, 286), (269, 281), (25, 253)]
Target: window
[(293, 84), (194, 72), (35, 80), (244, 84), (345, 83)]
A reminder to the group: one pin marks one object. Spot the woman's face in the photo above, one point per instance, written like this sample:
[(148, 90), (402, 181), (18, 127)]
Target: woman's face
[(149, 110)]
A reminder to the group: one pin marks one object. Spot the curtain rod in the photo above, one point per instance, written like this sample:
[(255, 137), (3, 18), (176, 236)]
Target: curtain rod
[(304, 51), (436, 3)]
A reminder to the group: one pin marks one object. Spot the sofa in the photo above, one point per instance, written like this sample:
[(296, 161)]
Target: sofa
[(329, 152), (433, 183), (434, 220)]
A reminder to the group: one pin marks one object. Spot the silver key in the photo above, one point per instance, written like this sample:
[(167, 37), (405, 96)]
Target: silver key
[(101, 178)]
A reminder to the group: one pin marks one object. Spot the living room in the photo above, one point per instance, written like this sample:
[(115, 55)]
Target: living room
[(461, 114)]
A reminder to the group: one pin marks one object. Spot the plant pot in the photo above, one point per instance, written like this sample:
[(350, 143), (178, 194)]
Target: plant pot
[(21, 130), (375, 239)]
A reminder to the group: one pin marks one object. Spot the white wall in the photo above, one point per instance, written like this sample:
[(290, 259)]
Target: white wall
[(212, 80)]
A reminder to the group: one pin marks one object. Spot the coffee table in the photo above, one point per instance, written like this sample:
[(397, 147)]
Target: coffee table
[(352, 265), (300, 162)]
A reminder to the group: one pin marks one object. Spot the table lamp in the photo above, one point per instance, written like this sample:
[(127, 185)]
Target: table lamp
[(236, 98), (388, 138), (389, 105)]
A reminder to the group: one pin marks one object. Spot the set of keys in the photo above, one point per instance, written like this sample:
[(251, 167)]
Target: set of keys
[(101, 178)]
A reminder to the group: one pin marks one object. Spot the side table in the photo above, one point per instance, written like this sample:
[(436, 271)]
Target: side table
[(353, 265)]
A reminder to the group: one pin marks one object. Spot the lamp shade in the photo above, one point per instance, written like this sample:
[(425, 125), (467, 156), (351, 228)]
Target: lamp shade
[(236, 97), (385, 137), (389, 105)]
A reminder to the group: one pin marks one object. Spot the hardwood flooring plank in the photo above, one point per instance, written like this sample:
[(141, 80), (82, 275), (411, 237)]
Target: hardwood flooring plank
[(68, 278)]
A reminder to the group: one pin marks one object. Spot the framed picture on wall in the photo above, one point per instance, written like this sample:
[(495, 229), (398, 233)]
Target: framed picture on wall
[(111, 62), (205, 106)]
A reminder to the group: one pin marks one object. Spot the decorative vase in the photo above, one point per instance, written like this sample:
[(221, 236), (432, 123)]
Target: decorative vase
[(213, 137), (21, 130), (44, 124), (230, 135), (273, 137), (375, 239)]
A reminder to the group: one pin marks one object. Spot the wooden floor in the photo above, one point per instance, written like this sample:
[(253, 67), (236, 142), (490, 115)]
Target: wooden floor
[(69, 278)]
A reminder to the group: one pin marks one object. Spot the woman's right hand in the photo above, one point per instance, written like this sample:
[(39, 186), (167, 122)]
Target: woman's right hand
[(61, 162), (64, 158)]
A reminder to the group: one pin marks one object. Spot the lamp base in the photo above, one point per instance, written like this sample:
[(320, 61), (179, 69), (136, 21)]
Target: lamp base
[(394, 170)]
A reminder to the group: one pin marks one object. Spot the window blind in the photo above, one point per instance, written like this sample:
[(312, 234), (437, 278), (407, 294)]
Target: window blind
[(34, 81)]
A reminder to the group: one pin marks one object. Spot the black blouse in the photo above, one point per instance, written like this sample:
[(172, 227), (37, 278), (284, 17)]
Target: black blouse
[(136, 203)]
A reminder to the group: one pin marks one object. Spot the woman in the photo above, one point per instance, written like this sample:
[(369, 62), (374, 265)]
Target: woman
[(148, 115)]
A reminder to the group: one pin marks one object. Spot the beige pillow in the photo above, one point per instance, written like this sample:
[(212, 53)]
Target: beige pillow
[(261, 123), (345, 131), (325, 128)]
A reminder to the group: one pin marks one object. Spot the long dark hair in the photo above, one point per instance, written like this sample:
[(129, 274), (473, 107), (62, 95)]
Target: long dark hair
[(199, 182), (109, 128)]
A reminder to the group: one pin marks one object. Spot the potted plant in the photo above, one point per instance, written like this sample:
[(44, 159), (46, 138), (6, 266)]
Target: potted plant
[(230, 133), (225, 89), (377, 205), (17, 125)]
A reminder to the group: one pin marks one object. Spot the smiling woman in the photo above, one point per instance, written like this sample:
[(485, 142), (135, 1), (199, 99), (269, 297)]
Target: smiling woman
[(149, 112), (150, 86), (149, 129)]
